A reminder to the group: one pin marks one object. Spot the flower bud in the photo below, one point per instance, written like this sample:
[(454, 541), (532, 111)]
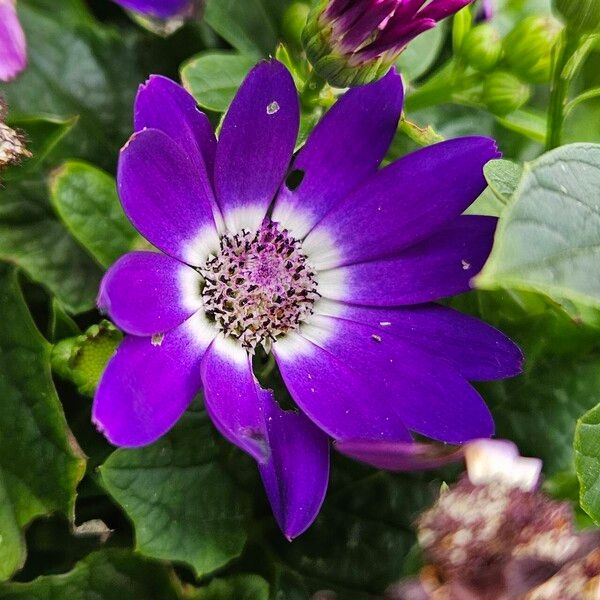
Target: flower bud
[(12, 142), (582, 16), (162, 17), (352, 42), (482, 47), (504, 93), (528, 48), (82, 359)]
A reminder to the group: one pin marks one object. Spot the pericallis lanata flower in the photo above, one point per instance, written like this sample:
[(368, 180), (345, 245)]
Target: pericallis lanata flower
[(352, 42), (321, 258), (13, 50)]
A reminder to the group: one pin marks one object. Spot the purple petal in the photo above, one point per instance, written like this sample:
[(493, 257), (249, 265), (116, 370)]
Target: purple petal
[(150, 382), (401, 456), (477, 351), (337, 397), (163, 104), (13, 47), (146, 293), (163, 197), (296, 476), (256, 145), (440, 9), (232, 400), (426, 392), (403, 204), (441, 266), (344, 149), (162, 9)]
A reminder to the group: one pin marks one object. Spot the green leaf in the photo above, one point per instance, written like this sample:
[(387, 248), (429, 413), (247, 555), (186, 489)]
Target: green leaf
[(213, 78), (587, 461), (75, 69), (359, 543), (527, 123), (104, 575), (32, 238), (40, 462), (183, 504), (548, 240), (42, 135), (421, 53), (252, 26), (86, 200), (561, 379), (238, 587), (503, 177)]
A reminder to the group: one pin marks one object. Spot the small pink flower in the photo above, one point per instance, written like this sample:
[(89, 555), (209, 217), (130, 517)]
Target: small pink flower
[(13, 50)]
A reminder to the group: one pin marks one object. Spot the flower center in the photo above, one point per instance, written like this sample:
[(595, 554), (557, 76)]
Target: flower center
[(259, 286)]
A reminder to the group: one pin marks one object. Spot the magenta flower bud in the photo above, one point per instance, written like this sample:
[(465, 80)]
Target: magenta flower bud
[(13, 50), (352, 42)]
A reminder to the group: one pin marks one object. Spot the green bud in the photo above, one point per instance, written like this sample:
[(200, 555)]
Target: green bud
[(582, 16), (504, 93), (528, 48), (82, 359), (482, 47), (461, 25), (294, 21)]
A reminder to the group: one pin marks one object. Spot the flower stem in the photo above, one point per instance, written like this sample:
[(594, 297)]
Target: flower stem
[(561, 79)]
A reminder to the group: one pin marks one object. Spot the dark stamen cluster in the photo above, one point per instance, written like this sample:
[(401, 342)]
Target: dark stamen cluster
[(259, 286)]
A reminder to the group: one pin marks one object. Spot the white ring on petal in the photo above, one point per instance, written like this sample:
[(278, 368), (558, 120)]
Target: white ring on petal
[(189, 284), (246, 217), (227, 347), (206, 242), (321, 250), (332, 284), (296, 222), (200, 329)]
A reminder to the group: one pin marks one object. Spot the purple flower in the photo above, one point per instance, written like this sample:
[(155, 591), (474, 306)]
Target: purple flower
[(321, 258), (13, 50), (161, 9), (486, 11), (342, 35)]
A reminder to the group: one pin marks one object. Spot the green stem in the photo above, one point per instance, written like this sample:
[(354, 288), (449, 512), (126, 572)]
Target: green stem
[(561, 79), (589, 95), (312, 90)]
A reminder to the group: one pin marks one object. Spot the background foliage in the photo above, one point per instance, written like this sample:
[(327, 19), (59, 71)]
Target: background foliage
[(187, 517)]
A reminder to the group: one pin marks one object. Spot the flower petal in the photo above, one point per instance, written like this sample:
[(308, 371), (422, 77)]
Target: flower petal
[(337, 397), (343, 150), (441, 266), (163, 197), (256, 145), (231, 397), (147, 293), (162, 9), (13, 47), (426, 392), (402, 204), (163, 104), (401, 456), (477, 351), (149, 383), (297, 474)]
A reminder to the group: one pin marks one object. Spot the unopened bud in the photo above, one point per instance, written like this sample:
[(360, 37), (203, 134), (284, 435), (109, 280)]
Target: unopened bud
[(294, 22), (504, 93), (82, 359), (528, 48), (482, 47)]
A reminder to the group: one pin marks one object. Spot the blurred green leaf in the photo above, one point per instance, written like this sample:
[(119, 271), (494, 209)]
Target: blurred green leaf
[(32, 238), (213, 78), (238, 587), (104, 575), (40, 462), (183, 504), (587, 460), (86, 200), (421, 53), (548, 240), (251, 26), (77, 70)]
